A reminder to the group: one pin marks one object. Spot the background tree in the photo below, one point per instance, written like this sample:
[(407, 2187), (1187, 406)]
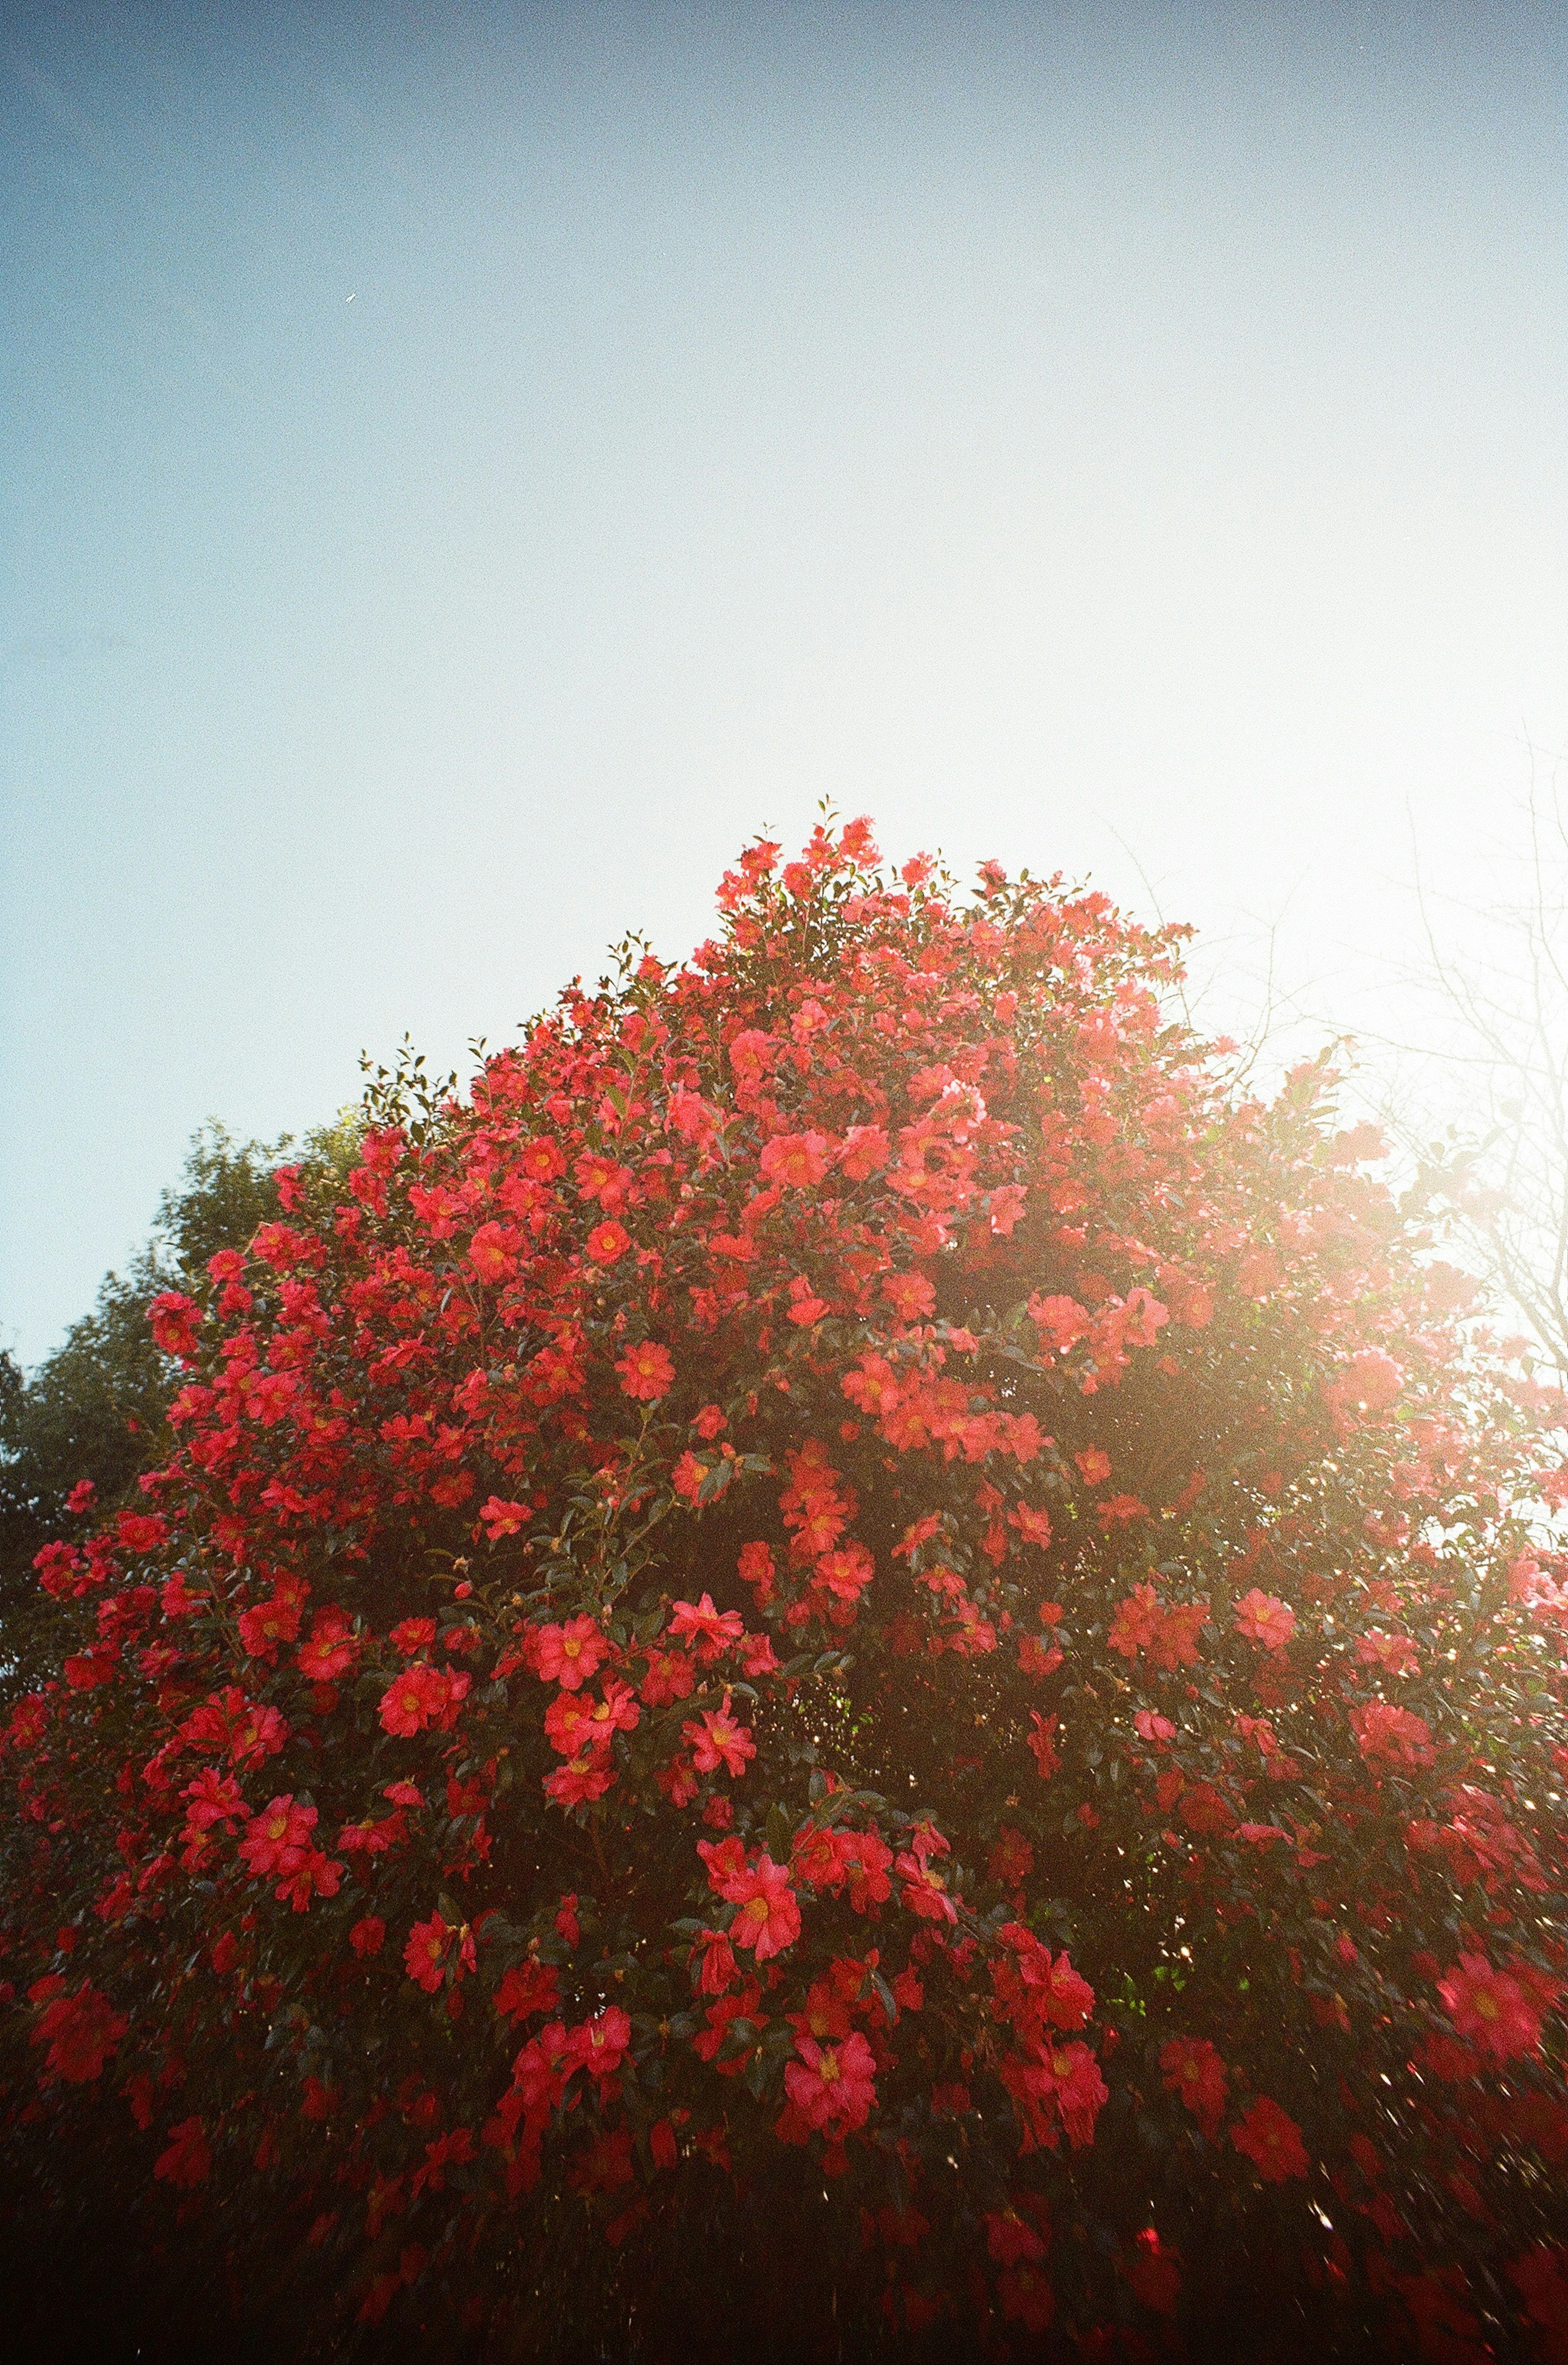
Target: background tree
[(1483, 1112), (94, 1410)]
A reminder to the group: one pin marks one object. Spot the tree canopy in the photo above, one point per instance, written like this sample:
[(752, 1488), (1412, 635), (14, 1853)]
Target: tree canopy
[(852, 1657)]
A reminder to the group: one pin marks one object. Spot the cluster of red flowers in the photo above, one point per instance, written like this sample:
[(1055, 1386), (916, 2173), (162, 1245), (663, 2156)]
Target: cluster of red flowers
[(852, 1567)]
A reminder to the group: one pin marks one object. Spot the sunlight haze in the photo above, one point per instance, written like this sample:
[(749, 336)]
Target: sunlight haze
[(466, 470)]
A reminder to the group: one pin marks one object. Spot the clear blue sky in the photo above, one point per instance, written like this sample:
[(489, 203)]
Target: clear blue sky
[(464, 469)]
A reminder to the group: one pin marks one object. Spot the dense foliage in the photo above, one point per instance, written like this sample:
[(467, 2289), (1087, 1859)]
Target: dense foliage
[(854, 1656)]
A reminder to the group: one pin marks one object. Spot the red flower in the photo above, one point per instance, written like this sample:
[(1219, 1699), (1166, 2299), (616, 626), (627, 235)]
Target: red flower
[(607, 1243), (568, 1654), (720, 1739), (82, 2031), (926, 1891), (1042, 1741), (527, 1988), (1396, 1736), (584, 1777), (188, 2161), (599, 2045), (910, 1295), (833, 2085), (769, 1918), (1270, 2138), (278, 1838), (687, 1477), (712, 1631), (492, 1253), (368, 1934), (1264, 1619), (1490, 2009), (797, 1159), (503, 1518), (646, 1372), (418, 1697), (176, 1321), (1192, 2068), (425, 1955), (332, 1648)]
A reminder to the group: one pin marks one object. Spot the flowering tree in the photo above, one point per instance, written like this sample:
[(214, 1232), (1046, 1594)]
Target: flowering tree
[(851, 1657)]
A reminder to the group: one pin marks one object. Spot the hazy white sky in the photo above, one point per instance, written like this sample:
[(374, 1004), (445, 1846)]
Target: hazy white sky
[(466, 469)]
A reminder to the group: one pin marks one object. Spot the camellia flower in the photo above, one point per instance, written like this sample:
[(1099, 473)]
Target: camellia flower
[(926, 1891), (503, 1518), (720, 1739), (569, 1654), (1490, 2009), (712, 1630), (1264, 1619), (418, 1697), (600, 2044), (278, 1837), (1193, 2069), (768, 1919), (1396, 1735), (797, 1159), (607, 1243), (646, 1371), (80, 2030), (1271, 2140), (833, 2084), (1395, 1653), (430, 1943), (176, 1321)]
